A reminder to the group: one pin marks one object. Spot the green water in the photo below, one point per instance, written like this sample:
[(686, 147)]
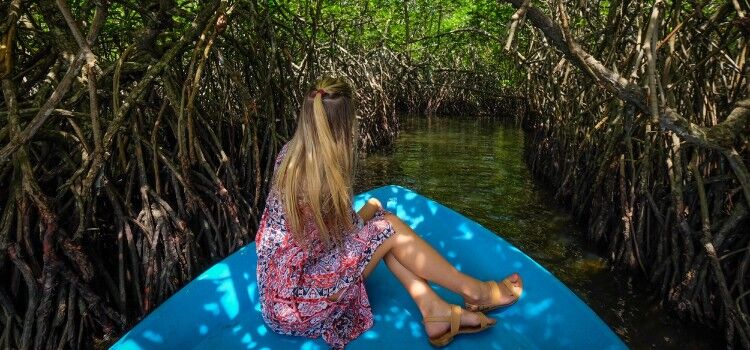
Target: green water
[(476, 167)]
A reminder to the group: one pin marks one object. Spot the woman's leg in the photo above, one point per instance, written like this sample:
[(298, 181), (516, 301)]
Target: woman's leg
[(428, 302), (419, 257), (423, 260)]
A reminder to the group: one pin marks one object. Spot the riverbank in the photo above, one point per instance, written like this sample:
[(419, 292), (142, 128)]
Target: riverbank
[(477, 168), (640, 120)]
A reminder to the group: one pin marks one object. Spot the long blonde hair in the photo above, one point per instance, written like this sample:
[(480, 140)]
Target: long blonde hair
[(315, 176)]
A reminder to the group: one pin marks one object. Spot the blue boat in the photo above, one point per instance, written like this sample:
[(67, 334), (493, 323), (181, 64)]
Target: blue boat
[(220, 308)]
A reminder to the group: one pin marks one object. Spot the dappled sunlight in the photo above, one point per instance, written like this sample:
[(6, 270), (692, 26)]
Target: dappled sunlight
[(309, 345), (534, 309), (410, 218), (465, 232), (220, 308)]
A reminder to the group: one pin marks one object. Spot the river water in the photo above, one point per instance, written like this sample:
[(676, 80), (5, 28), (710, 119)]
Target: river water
[(476, 167)]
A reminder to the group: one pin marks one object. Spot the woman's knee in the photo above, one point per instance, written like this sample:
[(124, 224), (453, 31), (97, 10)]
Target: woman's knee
[(370, 208), (389, 258), (393, 219), (375, 203), (399, 226)]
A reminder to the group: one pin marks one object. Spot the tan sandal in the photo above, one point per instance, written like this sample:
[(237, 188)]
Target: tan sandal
[(495, 295), (456, 328)]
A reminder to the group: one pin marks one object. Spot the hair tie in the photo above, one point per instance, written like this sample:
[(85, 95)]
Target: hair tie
[(322, 92)]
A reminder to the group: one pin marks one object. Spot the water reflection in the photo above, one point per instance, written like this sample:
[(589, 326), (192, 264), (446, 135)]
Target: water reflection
[(476, 168)]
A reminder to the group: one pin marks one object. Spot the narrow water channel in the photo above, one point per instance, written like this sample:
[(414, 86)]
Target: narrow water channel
[(476, 167)]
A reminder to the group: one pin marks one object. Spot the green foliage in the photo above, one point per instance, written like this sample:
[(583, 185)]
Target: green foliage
[(456, 35)]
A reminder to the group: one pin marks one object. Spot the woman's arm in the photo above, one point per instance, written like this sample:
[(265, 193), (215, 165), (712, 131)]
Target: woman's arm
[(368, 210)]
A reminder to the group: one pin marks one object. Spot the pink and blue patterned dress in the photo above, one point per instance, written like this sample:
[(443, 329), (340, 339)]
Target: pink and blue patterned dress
[(297, 285)]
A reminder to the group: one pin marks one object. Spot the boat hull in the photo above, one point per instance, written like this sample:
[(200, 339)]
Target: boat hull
[(220, 308)]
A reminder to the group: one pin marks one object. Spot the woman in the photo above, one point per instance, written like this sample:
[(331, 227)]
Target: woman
[(314, 251)]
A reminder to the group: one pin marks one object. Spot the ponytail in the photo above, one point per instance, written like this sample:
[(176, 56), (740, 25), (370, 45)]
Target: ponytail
[(316, 174)]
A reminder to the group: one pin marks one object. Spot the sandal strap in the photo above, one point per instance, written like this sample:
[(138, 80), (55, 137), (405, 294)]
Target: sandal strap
[(496, 294), (484, 321), (454, 319), (436, 319)]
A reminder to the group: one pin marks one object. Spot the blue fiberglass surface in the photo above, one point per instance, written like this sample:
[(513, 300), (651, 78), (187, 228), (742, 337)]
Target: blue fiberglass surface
[(220, 308)]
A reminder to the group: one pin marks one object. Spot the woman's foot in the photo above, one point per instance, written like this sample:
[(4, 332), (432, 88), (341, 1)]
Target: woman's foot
[(506, 293), (436, 329)]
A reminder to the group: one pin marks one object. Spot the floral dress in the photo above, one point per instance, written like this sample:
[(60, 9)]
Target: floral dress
[(297, 286)]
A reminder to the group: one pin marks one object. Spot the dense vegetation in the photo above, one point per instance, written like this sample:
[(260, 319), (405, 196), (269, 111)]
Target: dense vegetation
[(137, 135), (640, 119)]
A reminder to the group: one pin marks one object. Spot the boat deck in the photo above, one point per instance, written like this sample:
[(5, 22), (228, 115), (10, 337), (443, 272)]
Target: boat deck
[(220, 308)]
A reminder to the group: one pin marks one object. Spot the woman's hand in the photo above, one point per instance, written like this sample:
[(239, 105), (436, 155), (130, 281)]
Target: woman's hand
[(370, 208)]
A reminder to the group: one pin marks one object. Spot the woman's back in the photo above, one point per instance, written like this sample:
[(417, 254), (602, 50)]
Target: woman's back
[(317, 291)]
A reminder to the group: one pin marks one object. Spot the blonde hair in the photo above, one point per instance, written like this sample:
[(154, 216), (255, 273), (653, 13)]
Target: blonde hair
[(315, 176)]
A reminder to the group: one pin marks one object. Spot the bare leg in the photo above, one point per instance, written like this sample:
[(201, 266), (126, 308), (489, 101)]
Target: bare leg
[(420, 258), (428, 302), (424, 261)]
